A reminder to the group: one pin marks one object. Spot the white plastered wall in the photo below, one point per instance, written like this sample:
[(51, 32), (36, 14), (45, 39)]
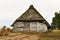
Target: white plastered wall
[(41, 27)]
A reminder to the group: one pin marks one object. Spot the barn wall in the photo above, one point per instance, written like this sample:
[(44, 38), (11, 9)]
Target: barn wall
[(30, 27), (15, 28), (22, 26), (41, 27)]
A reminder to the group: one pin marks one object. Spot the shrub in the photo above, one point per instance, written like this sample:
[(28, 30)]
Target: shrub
[(4, 31)]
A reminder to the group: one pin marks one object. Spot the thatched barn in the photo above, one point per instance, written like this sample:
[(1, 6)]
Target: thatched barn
[(30, 21)]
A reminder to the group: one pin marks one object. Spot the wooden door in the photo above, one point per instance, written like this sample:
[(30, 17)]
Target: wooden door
[(33, 26)]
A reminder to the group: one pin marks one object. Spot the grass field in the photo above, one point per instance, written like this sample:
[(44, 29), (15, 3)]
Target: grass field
[(49, 38), (52, 35)]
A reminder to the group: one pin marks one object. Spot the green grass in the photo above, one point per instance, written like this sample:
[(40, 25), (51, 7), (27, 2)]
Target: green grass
[(52, 32), (49, 38)]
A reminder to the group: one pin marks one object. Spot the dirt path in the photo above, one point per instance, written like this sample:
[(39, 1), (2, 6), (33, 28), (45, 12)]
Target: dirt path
[(20, 37)]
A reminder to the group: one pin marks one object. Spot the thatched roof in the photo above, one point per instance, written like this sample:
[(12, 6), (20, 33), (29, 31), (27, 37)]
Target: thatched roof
[(30, 15)]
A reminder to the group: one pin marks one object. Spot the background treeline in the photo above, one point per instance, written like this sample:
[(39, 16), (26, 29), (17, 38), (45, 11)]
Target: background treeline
[(56, 21)]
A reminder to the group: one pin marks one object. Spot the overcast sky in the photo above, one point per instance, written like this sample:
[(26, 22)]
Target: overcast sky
[(10, 10)]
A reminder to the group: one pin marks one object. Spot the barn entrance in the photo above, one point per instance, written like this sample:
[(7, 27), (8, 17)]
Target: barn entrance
[(33, 26)]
